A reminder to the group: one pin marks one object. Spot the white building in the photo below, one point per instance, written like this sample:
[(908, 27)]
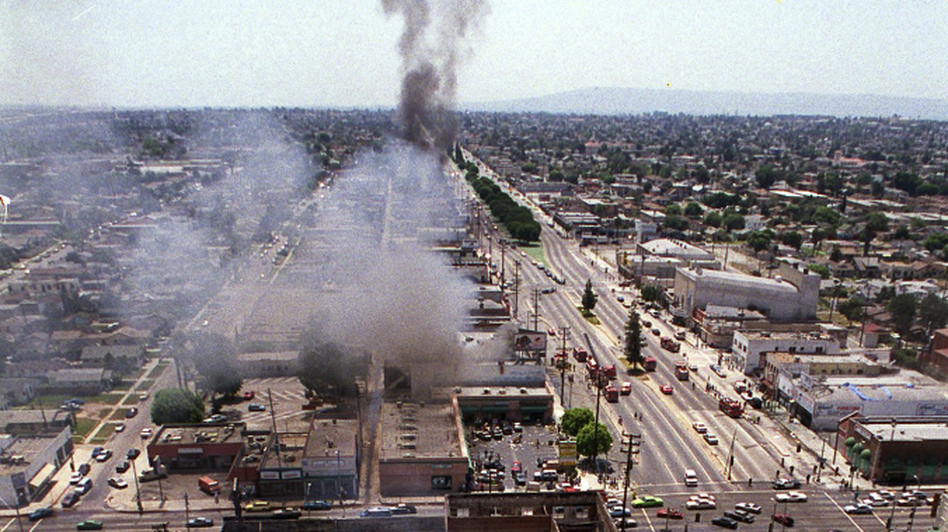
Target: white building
[(750, 347), (791, 295)]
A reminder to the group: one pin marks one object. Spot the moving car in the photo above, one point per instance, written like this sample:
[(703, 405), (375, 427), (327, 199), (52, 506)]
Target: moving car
[(791, 496), (647, 501), (670, 513), (317, 505), (403, 509), (725, 522), (739, 515), (857, 509), (701, 504), (748, 507), (783, 519), (711, 439), (699, 427), (626, 388), (89, 524), (619, 511), (667, 389), (784, 483), (216, 418), (256, 407), (40, 513), (200, 522)]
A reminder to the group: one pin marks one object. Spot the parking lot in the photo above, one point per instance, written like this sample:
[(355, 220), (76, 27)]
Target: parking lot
[(530, 447)]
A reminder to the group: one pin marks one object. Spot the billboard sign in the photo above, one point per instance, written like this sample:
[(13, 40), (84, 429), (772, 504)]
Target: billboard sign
[(532, 341)]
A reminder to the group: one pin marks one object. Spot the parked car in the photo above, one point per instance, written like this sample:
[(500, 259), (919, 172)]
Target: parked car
[(725, 522), (256, 407), (249, 395), (131, 412), (670, 513), (83, 486), (70, 499), (200, 522), (146, 433), (75, 477), (122, 466), (216, 418), (118, 482), (104, 456), (132, 453), (378, 511), (96, 451), (257, 506), (83, 469), (287, 513), (317, 505), (402, 509), (40, 513), (120, 427)]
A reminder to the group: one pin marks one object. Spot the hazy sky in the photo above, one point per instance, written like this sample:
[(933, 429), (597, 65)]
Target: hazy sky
[(344, 52)]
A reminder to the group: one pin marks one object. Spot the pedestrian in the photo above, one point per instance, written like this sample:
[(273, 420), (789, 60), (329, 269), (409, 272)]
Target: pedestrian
[(750, 481)]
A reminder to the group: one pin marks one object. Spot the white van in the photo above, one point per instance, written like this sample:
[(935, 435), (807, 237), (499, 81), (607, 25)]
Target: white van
[(691, 478)]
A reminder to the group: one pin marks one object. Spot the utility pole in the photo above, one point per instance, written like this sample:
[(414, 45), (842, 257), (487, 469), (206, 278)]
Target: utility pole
[(564, 362), (597, 376), (516, 290), (536, 309), (729, 469), (634, 440)]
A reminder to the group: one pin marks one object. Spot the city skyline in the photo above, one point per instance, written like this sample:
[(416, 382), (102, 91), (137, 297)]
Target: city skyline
[(339, 54)]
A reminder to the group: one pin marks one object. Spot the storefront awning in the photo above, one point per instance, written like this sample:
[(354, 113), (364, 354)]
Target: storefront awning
[(42, 476)]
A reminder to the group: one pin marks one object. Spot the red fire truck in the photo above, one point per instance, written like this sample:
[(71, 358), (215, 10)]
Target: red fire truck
[(731, 407), (649, 363), (681, 371)]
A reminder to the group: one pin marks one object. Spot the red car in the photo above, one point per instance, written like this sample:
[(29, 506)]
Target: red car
[(667, 389), (670, 513), (783, 519), (248, 396)]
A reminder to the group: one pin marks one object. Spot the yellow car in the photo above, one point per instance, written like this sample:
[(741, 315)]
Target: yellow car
[(258, 506)]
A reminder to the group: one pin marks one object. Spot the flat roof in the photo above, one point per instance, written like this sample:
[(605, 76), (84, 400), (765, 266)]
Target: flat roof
[(27, 447), (906, 432), (419, 430), (330, 435), (199, 433), (725, 279), (507, 392), (290, 455)]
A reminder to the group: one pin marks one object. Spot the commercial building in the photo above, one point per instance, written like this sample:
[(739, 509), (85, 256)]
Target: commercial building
[(581, 511), (895, 450), (331, 460), (421, 449), (506, 402), (33, 446), (749, 349), (791, 295)]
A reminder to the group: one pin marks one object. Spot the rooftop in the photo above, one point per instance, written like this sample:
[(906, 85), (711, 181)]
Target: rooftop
[(914, 430), (726, 279), (201, 433), (419, 430), (328, 436)]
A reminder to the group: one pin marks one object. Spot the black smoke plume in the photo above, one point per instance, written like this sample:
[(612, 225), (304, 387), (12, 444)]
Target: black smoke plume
[(429, 69)]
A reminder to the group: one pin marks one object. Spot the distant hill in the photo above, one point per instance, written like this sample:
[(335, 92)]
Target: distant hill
[(615, 100)]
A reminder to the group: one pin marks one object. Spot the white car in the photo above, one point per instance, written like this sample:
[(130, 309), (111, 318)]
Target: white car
[(791, 496), (874, 501), (748, 507), (858, 509), (700, 427), (146, 432), (75, 477), (701, 504)]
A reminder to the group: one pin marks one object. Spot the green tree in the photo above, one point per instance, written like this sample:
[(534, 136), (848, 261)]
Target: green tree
[(932, 313), (792, 238), (574, 419), (593, 439), (733, 221), (589, 298), (876, 222), (176, 405), (712, 219), (676, 222), (853, 308), (673, 209), (693, 210), (634, 342), (759, 240), (903, 309), (766, 176), (651, 292)]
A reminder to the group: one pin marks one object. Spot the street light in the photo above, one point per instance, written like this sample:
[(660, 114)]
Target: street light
[(918, 488)]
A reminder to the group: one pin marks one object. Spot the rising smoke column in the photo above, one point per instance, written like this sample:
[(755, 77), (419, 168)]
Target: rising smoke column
[(429, 69)]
